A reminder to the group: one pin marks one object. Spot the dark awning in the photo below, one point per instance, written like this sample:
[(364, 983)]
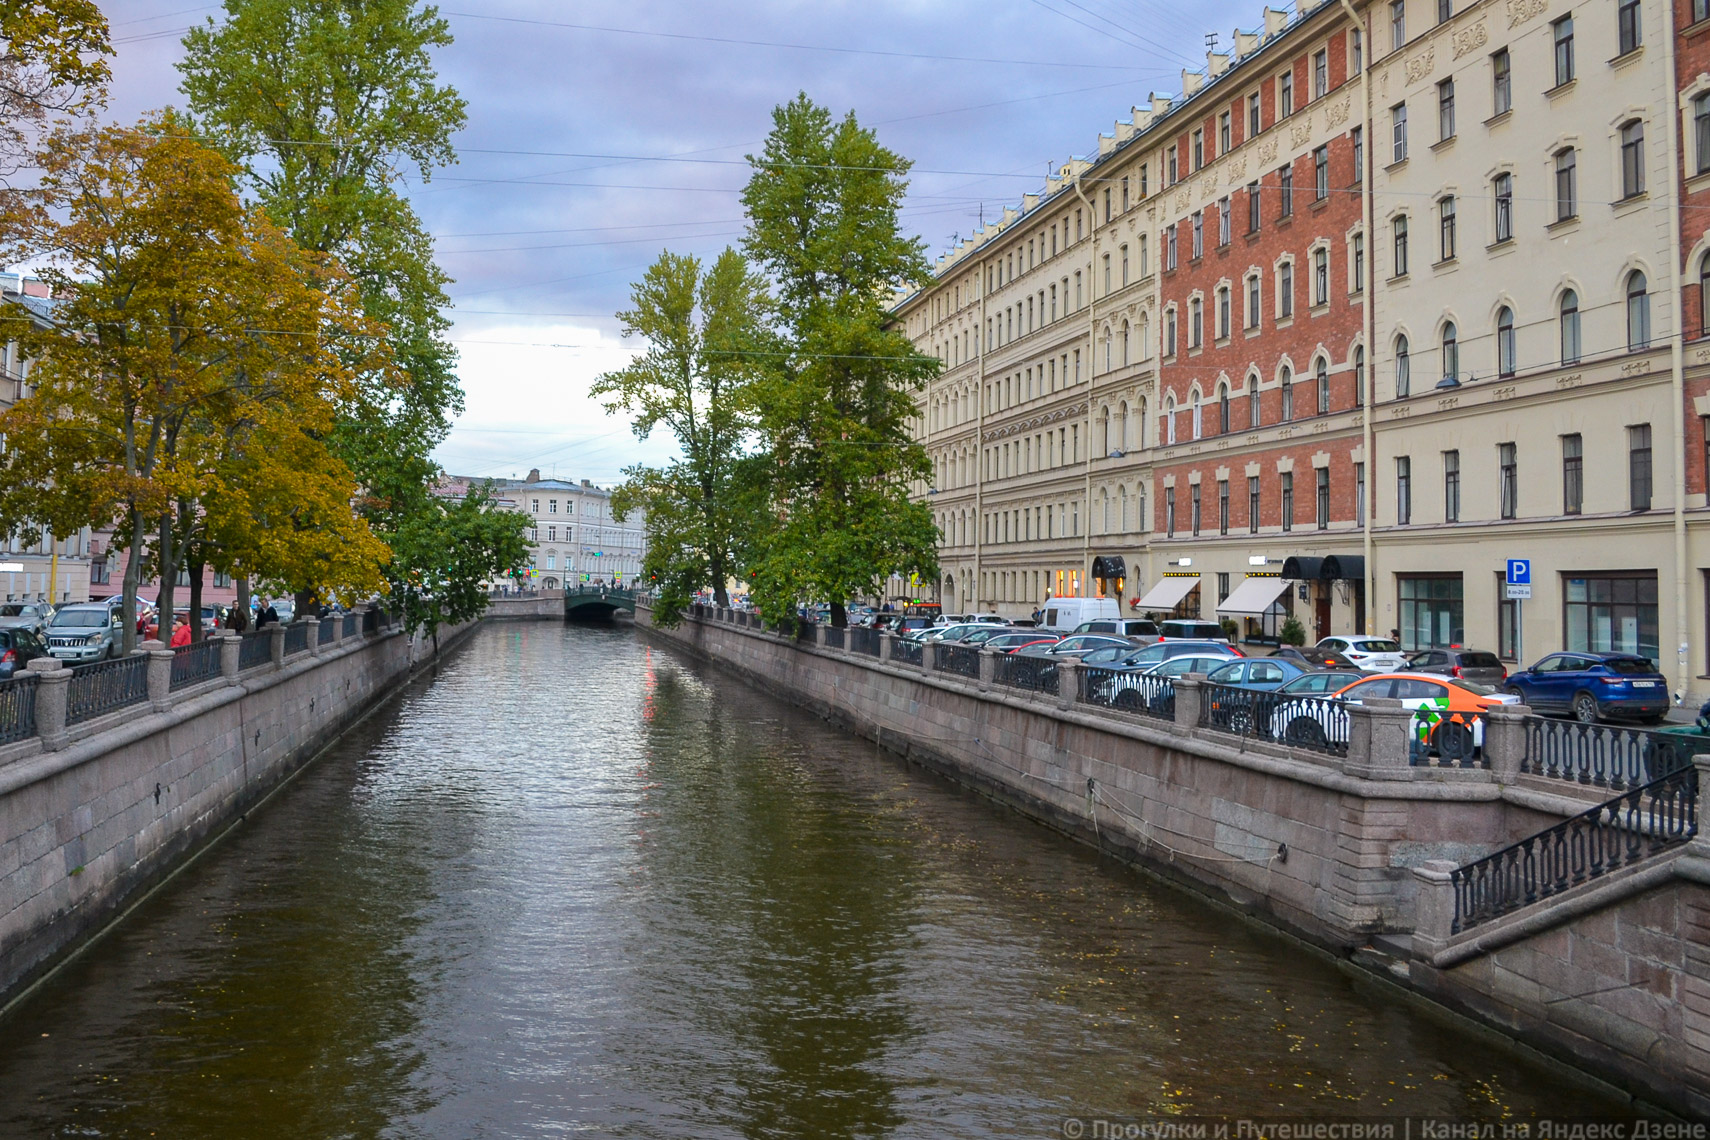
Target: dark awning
[(1344, 566), (1109, 566), (1303, 567)]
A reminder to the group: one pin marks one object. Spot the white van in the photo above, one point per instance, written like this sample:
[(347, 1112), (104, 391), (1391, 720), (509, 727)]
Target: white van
[(1063, 614)]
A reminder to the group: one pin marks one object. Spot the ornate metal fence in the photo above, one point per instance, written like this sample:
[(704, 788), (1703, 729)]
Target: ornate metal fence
[(1455, 740), (834, 637), (905, 652), (1642, 822), (371, 621), (17, 709), (255, 649), (864, 641), (329, 627), (351, 626), (193, 664), (106, 686), (1129, 691), (1035, 674), (1312, 723), (1601, 755), (962, 660), (296, 638)]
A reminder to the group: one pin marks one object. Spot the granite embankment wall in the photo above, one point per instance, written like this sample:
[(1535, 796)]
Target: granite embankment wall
[(93, 813), (1350, 852)]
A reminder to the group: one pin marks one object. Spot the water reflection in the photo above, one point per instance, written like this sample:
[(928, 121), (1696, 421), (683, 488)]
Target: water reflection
[(573, 883)]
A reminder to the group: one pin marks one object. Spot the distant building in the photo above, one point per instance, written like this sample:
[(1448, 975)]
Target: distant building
[(572, 536)]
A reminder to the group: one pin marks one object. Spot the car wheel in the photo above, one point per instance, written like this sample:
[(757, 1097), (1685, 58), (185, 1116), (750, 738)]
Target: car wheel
[(1454, 741), (1585, 708), (1303, 730), (1240, 720), (1515, 693), (1127, 699)]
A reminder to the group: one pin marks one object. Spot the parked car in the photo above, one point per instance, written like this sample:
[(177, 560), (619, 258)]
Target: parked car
[(1467, 664), (959, 631), (907, 625), (1151, 687), (1010, 641), (989, 619), (1369, 654), (1065, 614), (18, 647), (1594, 686), (1449, 718), (1077, 644), (1258, 672), (1315, 657), (1140, 630), (1191, 629), (1164, 650), (1322, 682), (33, 616), (85, 632)]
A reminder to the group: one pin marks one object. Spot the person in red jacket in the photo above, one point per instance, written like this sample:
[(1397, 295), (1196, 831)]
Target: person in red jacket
[(180, 632)]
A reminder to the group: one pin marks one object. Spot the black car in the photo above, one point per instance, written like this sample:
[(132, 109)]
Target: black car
[(1315, 657), (18, 647), (1164, 650), (1477, 665)]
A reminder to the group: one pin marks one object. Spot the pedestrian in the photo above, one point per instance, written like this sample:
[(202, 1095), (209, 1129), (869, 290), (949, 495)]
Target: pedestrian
[(266, 614), (180, 632), (237, 619)]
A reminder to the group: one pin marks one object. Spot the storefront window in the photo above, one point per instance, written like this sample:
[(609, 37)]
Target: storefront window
[(1611, 613), (1431, 614)]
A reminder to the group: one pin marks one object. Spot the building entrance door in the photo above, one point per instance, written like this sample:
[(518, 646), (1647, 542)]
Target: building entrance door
[(1321, 607)]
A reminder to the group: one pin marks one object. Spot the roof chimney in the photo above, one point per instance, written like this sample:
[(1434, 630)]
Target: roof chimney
[(587, 482), (533, 475)]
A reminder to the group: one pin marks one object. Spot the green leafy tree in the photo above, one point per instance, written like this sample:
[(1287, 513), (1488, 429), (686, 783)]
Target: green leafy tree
[(835, 410), (446, 555), (324, 105), (707, 342), (52, 62)]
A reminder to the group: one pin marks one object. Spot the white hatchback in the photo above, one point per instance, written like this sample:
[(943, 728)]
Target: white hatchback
[(1369, 654)]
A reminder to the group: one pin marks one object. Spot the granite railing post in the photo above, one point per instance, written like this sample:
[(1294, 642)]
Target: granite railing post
[(314, 625), (276, 647), (928, 657), (159, 674), (1434, 913), (1068, 683), (1505, 741), (988, 668), (1190, 694), (819, 635), (1378, 730), (53, 688), (230, 644), (886, 640), (1699, 846)]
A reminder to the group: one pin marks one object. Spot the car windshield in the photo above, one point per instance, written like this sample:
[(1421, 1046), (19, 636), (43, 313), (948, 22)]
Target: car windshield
[(1630, 665), (1377, 646), (1227, 675), (12, 609), (1480, 661), (80, 619)]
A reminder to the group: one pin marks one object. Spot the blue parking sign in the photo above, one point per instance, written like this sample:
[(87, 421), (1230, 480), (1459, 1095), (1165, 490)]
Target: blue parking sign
[(1519, 571)]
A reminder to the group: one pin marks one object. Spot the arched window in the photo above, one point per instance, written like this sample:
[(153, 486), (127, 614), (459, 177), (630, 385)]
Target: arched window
[(1704, 281), (1252, 401), (1107, 350), (1104, 432), (1122, 426), (1125, 357), (1287, 396), (1323, 379), (1403, 369), (1505, 341), (1145, 337), (1122, 502), (1170, 421), (1198, 420), (1104, 510), (1141, 436), (1223, 409), (1360, 376), (1451, 352), (1638, 312), (1570, 327)]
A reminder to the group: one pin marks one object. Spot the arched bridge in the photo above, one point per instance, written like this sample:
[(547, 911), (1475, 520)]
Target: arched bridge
[(597, 603)]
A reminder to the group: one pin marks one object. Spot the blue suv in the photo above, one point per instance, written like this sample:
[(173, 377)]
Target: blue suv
[(1594, 686)]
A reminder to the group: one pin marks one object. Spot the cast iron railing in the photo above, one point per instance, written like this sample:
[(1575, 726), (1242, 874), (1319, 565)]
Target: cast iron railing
[(17, 709), (255, 649), (962, 660), (864, 641), (296, 638), (105, 686), (329, 626), (193, 664), (834, 637), (1447, 740), (351, 625), (1016, 671), (905, 652), (371, 621), (1128, 691), (1639, 823), (1601, 755), (1312, 723)]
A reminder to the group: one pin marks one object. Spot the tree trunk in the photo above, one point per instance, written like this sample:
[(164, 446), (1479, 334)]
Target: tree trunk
[(133, 573), (305, 600), (165, 556), (195, 569), (839, 615), (243, 596)]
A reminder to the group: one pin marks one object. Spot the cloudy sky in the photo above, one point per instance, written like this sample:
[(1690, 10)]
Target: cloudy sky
[(602, 133)]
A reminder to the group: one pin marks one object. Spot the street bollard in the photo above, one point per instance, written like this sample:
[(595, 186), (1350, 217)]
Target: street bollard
[(53, 690)]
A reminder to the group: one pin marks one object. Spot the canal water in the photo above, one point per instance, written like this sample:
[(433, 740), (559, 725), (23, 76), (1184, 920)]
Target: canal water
[(576, 884)]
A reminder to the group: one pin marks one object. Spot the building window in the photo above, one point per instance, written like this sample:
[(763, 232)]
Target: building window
[(1359, 494), (1398, 130), (1285, 192), (1224, 135), (1400, 228), (1320, 73), (1324, 498), (1358, 137), (1403, 369), (1611, 613), (1573, 474), (1285, 291), (1704, 295), (1285, 94), (1446, 227), (1503, 191), (1124, 252), (1397, 23), (1174, 171), (1169, 512), (1451, 352), (1320, 277), (1199, 148), (1445, 9), (1321, 173), (100, 572), (1223, 222), (1196, 322), (1170, 332), (1223, 528), (1700, 11), (1638, 312), (1508, 478), (1632, 158), (1431, 612), (1253, 114), (1403, 490), (1701, 132), (1505, 341), (1252, 207), (1570, 327), (1253, 406), (1451, 486), (1628, 33), (1445, 110), (1193, 497), (1252, 504), (1562, 30), (1287, 395), (1223, 312), (1222, 410), (1356, 52), (1639, 467), (1567, 183), (1359, 376), (1198, 234), (1501, 83), (1169, 247), (1323, 385), (1253, 301), (1359, 260), (1288, 500)]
